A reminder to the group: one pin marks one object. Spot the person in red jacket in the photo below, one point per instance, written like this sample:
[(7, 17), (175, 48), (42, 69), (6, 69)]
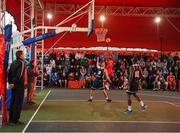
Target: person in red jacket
[(109, 67), (171, 81), (31, 81)]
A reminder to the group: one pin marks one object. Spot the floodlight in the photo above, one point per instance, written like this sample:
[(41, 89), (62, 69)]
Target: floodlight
[(49, 16), (102, 18), (157, 20)]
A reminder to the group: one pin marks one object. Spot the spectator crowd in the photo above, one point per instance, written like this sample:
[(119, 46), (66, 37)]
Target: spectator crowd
[(161, 71)]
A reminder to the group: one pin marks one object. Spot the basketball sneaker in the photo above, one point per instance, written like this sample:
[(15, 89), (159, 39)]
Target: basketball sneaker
[(143, 108), (108, 100), (90, 100), (128, 112)]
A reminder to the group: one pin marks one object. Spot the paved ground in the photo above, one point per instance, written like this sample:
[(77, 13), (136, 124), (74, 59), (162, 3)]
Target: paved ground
[(172, 99), (59, 94), (103, 127)]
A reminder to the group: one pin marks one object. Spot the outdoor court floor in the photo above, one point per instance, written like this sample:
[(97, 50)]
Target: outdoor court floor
[(67, 110)]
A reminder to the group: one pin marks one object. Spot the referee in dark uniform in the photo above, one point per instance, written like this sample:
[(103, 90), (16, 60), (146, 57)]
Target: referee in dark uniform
[(16, 78)]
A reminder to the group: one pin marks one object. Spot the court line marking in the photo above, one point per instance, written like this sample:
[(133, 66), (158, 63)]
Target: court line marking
[(159, 96), (120, 101), (78, 121), (76, 100), (35, 112), (156, 95), (63, 100), (173, 104)]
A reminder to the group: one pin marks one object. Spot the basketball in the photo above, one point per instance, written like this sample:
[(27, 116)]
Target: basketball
[(108, 40)]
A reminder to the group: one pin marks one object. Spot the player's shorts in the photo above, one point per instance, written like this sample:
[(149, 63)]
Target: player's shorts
[(134, 86), (97, 84)]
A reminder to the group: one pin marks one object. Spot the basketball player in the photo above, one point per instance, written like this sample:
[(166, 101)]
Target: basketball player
[(98, 82), (135, 75)]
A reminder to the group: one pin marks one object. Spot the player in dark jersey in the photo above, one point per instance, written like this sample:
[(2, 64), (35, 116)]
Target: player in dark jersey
[(98, 82), (135, 75)]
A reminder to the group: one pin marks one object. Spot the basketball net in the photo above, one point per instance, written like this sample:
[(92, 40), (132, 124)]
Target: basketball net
[(101, 34)]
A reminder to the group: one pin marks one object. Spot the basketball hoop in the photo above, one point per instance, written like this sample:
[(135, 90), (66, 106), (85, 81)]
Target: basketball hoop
[(101, 34)]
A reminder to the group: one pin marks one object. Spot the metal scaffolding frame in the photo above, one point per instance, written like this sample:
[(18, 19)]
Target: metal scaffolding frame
[(2, 15), (32, 25), (27, 9), (32, 15), (116, 10), (39, 18)]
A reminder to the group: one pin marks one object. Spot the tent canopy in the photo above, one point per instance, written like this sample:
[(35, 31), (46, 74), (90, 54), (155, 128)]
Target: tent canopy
[(157, 3), (124, 31)]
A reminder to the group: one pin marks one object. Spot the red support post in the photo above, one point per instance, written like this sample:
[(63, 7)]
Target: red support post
[(3, 80)]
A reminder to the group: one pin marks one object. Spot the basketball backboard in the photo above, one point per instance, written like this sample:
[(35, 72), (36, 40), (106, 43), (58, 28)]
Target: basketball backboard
[(91, 18)]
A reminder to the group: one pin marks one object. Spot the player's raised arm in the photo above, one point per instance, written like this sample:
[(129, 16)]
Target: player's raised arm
[(97, 64)]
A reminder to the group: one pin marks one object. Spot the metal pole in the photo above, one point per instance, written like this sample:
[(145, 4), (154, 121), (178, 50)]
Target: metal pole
[(161, 43), (42, 62), (22, 17), (2, 15), (32, 47), (173, 25), (74, 13)]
